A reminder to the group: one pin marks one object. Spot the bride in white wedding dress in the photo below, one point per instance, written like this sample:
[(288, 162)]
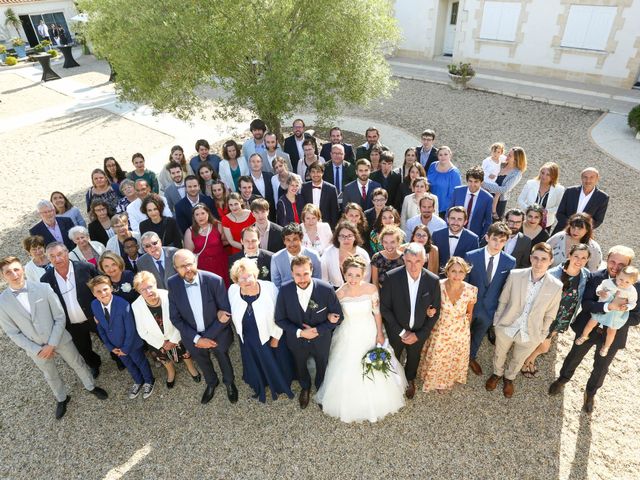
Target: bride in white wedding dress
[(345, 393)]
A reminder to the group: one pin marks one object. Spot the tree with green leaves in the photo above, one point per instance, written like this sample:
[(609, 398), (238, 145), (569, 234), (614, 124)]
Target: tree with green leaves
[(274, 57), (11, 19)]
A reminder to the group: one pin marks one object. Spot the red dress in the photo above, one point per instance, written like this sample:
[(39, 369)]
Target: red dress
[(211, 257), (236, 228)]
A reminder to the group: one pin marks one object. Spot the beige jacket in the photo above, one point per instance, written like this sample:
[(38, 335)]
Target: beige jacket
[(544, 309)]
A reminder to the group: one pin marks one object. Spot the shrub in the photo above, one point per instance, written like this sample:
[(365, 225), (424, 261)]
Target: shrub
[(3, 49), (11, 61), (462, 69), (633, 119), (53, 53), (45, 43), (17, 42), (39, 48)]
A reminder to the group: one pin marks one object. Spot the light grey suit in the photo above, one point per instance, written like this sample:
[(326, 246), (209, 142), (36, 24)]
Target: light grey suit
[(173, 196), (266, 164), (148, 264), (45, 325)]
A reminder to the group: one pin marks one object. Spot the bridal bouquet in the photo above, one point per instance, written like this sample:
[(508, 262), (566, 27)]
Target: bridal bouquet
[(377, 359)]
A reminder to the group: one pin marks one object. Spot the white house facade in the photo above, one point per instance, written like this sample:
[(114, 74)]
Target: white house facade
[(593, 41), (30, 12)]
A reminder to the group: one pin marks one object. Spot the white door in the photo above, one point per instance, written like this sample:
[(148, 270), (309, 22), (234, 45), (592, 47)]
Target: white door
[(450, 30)]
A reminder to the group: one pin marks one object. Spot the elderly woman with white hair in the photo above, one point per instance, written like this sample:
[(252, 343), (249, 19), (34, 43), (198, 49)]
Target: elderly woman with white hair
[(151, 312), (86, 250), (265, 358)]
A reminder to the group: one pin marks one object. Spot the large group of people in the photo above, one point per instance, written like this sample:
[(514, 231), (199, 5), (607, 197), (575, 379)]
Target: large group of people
[(325, 252)]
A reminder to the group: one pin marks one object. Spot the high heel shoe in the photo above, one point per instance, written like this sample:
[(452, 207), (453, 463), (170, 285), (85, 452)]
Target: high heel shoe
[(171, 383), (196, 378)]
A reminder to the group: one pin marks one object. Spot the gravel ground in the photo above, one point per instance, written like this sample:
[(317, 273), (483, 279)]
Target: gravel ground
[(467, 434)]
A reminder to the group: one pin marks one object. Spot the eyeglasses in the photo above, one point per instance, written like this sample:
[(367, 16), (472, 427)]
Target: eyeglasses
[(420, 235), (146, 289), (152, 244), (346, 237)]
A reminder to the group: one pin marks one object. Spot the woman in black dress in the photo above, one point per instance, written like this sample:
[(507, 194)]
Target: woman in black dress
[(99, 228), (166, 227)]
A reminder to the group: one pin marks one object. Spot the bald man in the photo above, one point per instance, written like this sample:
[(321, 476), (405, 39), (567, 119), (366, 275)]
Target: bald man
[(584, 198)]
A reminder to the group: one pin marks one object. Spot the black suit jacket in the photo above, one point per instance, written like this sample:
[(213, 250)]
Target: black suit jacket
[(65, 225), (391, 184), (596, 207), (522, 251), (348, 173), (433, 156), (591, 305), (98, 233), (82, 273), (264, 263), (328, 201), (395, 302), (291, 148), (325, 152), (275, 242), (268, 190), (184, 210)]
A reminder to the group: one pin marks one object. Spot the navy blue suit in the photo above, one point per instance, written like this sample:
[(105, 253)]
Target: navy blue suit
[(596, 207), (65, 224), (290, 317), (120, 332), (468, 241), (353, 193), (488, 293), (214, 298), (328, 201), (481, 214), (433, 156), (591, 305), (184, 211)]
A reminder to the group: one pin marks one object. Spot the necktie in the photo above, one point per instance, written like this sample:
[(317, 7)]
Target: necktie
[(296, 218), (470, 207), (133, 264), (454, 236), (364, 194), (490, 269), (107, 315), (337, 180), (319, 188), (160, 268), (18, 292)]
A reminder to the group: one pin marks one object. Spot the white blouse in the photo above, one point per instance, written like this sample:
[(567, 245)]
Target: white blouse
[(323, 238), (529, 195), (331, 268)]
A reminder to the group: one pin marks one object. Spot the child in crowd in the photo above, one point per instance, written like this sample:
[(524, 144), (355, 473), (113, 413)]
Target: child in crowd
[(621, 291), (491, 167)]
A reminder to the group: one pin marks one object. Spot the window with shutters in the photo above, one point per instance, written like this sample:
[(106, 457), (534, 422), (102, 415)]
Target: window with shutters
[(500, 21), (588, 27)]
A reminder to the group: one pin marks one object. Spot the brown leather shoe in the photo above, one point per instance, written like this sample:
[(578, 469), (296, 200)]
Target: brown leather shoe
[(475, 367), (492, 383), (304, 399), (588, 403), (507, 388), (556, 387), (411, 390)]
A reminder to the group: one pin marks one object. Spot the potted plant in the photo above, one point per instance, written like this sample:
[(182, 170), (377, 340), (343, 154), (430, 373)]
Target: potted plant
[(53, 52), (460, 74), (633, 119), (19, 47), (11, 61), (3, 53), (46, 44)]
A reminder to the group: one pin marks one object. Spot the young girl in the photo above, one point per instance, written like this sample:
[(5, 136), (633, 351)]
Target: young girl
[(608, 292)]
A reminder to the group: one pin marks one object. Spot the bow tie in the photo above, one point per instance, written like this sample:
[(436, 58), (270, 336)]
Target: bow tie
[(187, 284), (454, 236), (252, 257), (319, 188), (18, 292)]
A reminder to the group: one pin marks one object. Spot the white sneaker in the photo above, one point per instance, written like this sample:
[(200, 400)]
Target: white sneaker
[(135, 391), (147, 390)]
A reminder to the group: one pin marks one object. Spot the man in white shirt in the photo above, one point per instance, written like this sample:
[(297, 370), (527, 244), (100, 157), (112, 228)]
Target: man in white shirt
[(133, 209), (584, 198), (426, 217), (43, 31), (528, 305)]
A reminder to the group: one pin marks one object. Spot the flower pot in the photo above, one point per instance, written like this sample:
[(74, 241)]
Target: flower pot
[(459, 82), (3, 57), (21, 50)]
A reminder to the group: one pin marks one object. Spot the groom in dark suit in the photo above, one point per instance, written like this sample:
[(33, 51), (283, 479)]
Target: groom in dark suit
[(410, 307), (199, 309), (584, 198), (308, 311)]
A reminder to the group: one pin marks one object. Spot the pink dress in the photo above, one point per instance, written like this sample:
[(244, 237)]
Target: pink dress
[(445, 355), (212, 257)]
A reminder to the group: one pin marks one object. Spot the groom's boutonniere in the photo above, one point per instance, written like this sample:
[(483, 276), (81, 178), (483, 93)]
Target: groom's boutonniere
[(313, 305), (264, 271)]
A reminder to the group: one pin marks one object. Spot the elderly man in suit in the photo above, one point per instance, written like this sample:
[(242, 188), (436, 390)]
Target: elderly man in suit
[(33, 319), (157, 260), (427, 153), (585, 198), (410, 307), (456, 240), (335, 138), (51, 227), (292, 236), (199, 309), (386, 177), (618, 257), (308, 311), (250, 240), (321, 194), (476, 201), (184, 208), (338, 171), (528, 305), (491, 267), (360, 191), (69, 282), (518, 245)]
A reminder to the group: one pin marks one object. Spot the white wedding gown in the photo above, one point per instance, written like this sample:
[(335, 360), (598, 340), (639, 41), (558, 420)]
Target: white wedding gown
[(345, 393)]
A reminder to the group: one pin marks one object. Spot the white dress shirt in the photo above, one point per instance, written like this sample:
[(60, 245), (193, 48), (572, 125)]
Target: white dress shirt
[(259, 183), (496, 259), (583, 200), (136, 216), (195, 302), (316, 193), (23, 298), (521, 324), (413, 298), (453, 242), (304, 297), (511, 244), (69, 294), (300, 149), (467, 199)]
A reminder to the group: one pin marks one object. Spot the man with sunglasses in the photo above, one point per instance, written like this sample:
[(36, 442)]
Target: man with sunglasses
[(157, 260)]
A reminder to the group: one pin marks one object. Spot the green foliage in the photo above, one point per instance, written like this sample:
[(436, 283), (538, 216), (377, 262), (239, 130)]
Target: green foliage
[(39, 48), (45, 43), (53, 53), (17, 42), (462, 69), (633, 119), (275, 57), (11, 61), (3, 49), (11, 19)]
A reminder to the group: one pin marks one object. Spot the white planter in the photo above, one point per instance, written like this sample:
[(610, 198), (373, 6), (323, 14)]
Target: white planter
[(459, 82)]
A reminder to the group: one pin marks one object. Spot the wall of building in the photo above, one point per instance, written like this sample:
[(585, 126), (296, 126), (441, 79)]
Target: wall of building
[(33, 8)]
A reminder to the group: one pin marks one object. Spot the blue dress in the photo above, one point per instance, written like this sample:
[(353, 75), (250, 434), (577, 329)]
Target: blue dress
[(262, 365), (442, 184)]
